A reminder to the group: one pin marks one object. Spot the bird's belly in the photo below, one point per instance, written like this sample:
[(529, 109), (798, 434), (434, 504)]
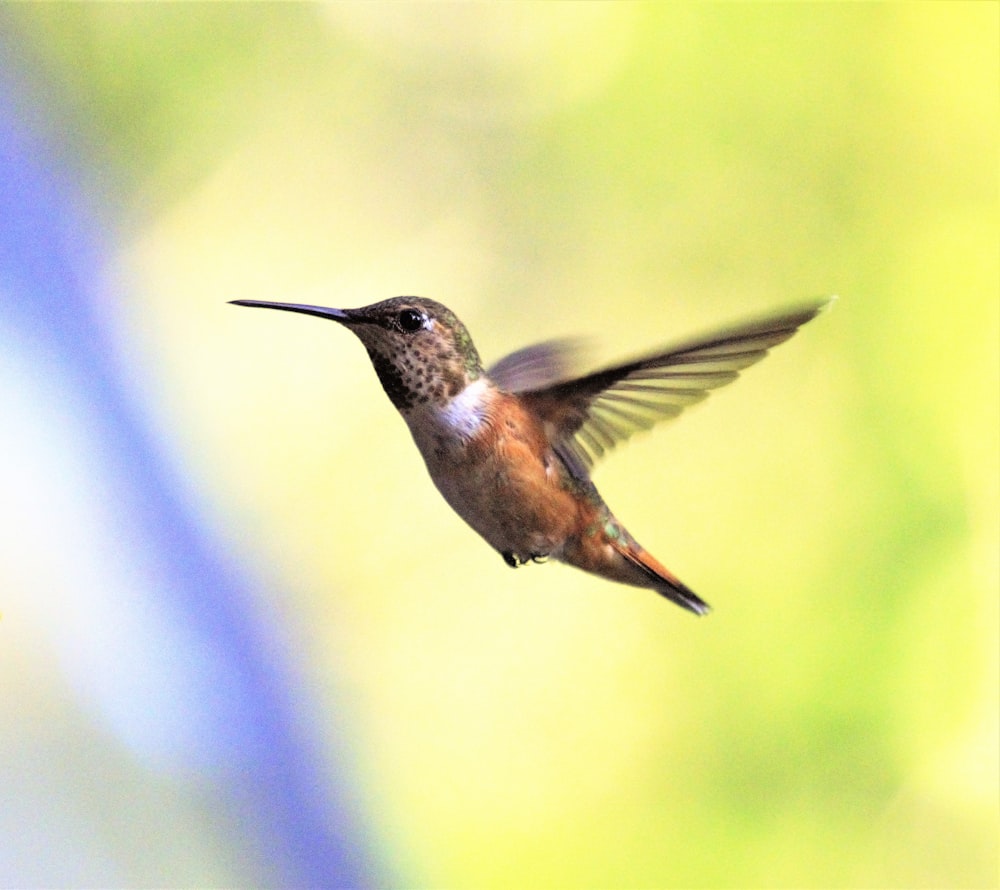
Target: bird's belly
[(510, 495), (513, 513)]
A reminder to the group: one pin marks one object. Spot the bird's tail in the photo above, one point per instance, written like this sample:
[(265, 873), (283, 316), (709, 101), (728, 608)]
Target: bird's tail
[(660, 579)]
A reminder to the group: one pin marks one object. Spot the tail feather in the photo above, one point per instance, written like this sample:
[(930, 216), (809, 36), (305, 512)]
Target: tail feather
[(663, 581)]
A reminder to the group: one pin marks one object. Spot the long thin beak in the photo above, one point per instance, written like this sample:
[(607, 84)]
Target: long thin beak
[(321, 311)]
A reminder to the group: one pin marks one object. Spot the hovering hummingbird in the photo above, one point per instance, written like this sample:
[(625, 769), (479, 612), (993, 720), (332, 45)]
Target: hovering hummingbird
[(511, 447)]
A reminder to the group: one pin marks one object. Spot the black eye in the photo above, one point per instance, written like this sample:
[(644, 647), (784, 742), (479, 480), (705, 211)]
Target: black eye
[(411, 320)]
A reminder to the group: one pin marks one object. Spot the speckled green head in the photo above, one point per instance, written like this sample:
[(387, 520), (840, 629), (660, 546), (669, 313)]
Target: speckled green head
[(421, 352)]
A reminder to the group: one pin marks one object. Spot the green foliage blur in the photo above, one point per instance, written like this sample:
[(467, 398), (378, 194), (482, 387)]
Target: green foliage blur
[(634, 173)]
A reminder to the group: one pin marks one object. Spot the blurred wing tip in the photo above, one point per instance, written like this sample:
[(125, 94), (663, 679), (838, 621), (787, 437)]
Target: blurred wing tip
[(823, 304)]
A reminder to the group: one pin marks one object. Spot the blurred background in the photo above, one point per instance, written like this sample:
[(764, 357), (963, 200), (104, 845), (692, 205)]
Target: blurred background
[(243, 641)]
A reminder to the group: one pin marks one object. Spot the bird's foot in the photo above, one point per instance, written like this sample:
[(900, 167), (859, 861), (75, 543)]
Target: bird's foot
[(515, 560)]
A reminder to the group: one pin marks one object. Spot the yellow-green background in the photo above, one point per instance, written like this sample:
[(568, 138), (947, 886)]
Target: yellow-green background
[(634, 173)]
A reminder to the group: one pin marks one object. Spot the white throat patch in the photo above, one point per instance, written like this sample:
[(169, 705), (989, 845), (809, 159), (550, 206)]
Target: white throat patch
[(465, 413)]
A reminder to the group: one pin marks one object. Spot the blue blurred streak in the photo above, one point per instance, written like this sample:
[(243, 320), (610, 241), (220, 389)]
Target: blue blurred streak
[(211, 698)]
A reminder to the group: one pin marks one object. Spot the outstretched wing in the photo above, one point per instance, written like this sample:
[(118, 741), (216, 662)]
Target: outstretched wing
[(589, 415)]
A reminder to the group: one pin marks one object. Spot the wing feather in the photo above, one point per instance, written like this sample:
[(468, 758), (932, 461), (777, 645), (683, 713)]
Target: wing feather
[(537, 366), (587, 416)]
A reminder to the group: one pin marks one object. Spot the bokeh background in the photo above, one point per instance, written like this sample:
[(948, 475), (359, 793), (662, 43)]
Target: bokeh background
[(243, 640)]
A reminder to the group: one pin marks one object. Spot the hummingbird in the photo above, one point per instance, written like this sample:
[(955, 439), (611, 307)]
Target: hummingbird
[(511, 447)]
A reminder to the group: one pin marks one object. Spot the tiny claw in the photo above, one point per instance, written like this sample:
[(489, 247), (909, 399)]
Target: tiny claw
[(539, 558), (511, 559)]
